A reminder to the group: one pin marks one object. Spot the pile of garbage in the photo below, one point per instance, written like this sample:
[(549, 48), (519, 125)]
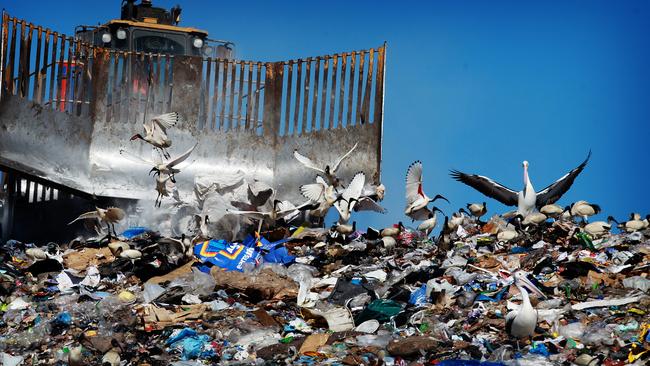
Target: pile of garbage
[(305, 296)]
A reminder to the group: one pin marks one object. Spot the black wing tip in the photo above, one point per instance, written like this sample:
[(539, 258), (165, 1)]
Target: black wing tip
[(596, 207), (457, 175)]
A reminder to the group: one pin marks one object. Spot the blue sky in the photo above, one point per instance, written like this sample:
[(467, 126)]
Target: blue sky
[(476, 86)]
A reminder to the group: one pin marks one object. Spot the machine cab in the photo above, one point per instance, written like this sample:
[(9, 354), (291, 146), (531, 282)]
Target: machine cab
[(145, 28)]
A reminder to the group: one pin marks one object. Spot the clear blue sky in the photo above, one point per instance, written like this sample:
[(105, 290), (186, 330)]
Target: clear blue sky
[(476, 85)]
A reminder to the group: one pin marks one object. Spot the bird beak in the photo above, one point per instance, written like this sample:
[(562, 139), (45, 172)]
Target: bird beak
[(439, 196), (525, 282), (434, 209), (153, 170), (135, 137)]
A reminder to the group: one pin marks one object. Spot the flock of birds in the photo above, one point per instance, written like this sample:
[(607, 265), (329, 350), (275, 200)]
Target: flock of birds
[(329, 190)]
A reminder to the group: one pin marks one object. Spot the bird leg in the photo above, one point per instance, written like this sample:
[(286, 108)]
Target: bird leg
[(108, 236), (166, 154), (259, 227)]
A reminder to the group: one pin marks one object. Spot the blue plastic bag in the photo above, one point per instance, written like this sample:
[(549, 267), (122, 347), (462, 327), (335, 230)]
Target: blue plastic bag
[(419, 296), (274, 252)]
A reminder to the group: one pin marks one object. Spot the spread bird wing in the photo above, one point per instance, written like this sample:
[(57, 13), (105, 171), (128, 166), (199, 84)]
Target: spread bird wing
[(306, 161), (353, 190), (313, 191), (488, 187), (165, 121), (368, 204), (181, 157), (553, 192), (321, 180), (87, 215), (134, 158), (414, 182), (338, 162), (420, 215), (252, 214)]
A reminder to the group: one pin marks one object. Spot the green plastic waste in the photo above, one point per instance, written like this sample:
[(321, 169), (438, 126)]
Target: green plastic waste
[(381, 310)]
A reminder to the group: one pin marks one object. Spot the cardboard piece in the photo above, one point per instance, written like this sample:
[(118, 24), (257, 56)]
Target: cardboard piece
[(313, 342)]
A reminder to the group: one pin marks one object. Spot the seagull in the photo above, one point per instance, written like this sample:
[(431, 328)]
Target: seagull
[(584, 209), (521, 323), (416, 199), (108, 216), (477, 209), (155, 131), (329, 170), (160, 167), (429, 224), (350, 197), (527, 199)]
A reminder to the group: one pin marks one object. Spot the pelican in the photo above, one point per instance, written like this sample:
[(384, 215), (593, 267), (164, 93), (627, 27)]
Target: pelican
[(108, 216), (429, 224), (416, 199), (155, 131), (329, 170), (527, 199), (552, 210), (350, 197), (160, 167), (393, 231), (477, 209), (584, 209), (597, 229), (521, 323)]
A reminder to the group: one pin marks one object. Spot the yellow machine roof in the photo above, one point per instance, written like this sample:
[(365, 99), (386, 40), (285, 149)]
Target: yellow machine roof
[(157, 26)]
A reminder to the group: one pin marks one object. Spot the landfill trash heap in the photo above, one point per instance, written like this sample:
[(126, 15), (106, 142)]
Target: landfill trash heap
[(306, 296)]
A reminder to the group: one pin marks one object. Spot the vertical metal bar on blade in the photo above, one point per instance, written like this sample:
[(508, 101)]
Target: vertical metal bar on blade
[(240, 122), (206, 94), (70, 86), (28, 61), (3, 49), (233, 79), (152, 93), (169, 82), (114, 115), (344, 61), (224, 85), (214, 124), (323, 99), (9, 71), (353, 56), (249, 97), (357, 107), (51, 92), (258, 81), (365, 117), (43, 68), (59, 74), (379, 86), (22, 60), (287, 112), (305, 107), (37, 65), (333, 91), (84, 79), (314, 108), (123, 99), (78, 77), (296, 109)]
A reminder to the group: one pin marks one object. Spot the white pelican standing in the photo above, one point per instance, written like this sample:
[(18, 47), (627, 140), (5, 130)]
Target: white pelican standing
[(416, 199), (527, 199), (329, 170), (521, 323), (155, 131)]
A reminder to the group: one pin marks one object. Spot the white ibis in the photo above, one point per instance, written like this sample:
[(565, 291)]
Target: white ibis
[(109, 216), (279, 210), (393, 231), (155, 131), (375, 192), (429, 224), (534, 218), (165, 188), (350, 197), (322, 194), (36, 254), (552, 210), (633, 224), (521, 323), (507, 233), (597, 229), (584, 209), (477, 209), (416, 199), (159, 167), (457, 219), (131, 254), (329, 170), (527, 199), (116, 247), (346, 229)]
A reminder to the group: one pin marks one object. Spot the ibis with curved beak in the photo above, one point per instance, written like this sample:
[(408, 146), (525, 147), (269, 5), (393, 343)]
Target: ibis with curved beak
[(477, 209), (159, 167), (416, 199), (155, 131), (429, 224), (527, 199), (521, 323), (350, 197), (584, 209)]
